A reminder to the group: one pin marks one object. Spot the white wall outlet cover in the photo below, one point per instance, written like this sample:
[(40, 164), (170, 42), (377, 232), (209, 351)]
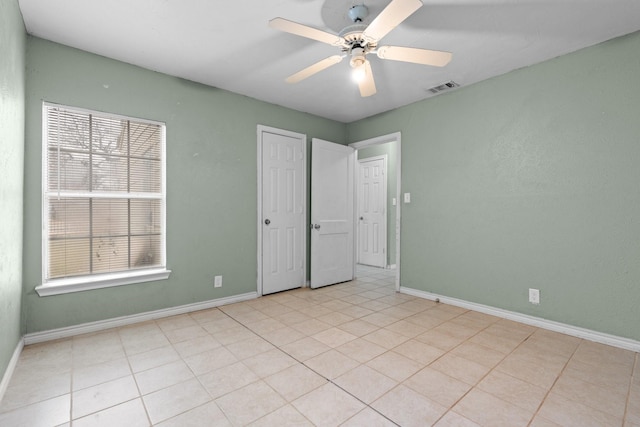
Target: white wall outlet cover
[(534, 296), (217, 282), (407, 197), (393, 201)]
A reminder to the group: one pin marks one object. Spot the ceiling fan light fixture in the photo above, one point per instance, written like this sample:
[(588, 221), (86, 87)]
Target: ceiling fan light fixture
[(357, 57), (359, 73), (358, 12)]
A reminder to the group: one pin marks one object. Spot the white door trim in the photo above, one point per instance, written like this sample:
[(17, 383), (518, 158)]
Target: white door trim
[(396, 136), (261, 129), (382, 157)]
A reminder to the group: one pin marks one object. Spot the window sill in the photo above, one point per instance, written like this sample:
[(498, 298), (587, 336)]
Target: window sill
[(85, 283)]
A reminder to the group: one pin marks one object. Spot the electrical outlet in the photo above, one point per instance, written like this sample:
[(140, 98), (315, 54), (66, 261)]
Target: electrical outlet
[(534, 296), (217, 282), (407, 197)]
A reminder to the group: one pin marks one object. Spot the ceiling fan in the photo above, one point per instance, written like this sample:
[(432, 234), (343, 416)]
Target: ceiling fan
[(359, 40)]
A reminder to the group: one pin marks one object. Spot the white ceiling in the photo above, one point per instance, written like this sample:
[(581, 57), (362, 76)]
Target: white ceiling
[(227, 44)]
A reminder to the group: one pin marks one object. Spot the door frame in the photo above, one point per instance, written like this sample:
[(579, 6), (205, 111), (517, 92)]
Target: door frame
[(396, 136), (359, 163), (261, 129)]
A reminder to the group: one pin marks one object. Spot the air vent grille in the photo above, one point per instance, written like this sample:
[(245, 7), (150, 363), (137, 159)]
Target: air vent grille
[(445, 86)]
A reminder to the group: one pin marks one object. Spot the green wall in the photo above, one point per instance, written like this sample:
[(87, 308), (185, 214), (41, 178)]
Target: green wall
[(529, 180), (211, 179), (388, 149), (12, 86)]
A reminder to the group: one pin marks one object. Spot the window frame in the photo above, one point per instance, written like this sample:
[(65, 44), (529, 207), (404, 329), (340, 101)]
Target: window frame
[(64, 285)]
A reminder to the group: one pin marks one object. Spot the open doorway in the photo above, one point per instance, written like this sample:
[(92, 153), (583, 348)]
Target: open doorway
[(387, 147)]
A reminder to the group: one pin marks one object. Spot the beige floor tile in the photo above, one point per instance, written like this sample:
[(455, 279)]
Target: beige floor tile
[(250, 317), (283, 336), (26, 388), (47, 413), (305, 349), (98, 348), (365, 383), (439, 340), (102, 396), (502, 344), (331, 364), (438, 387), (143, 341), (369, 418), (419, 351), (208, 414), (227, 379), (548, 341), (478, 353), (51, 356), (460, 368), (315, 311), (292, 317), (566, 412), (219, 325), (356, 312), (249, 348), (196, 345), (96, 374), (633, 404), (163, 376), (287, 416), (361, 350), (605, 399), (186, 334), (599, 354), (171, 401), (336, 318), (153, 358), (231, 335), (394, 365), (407, 328), (264, 326), (456, 330), (211, 360), (208, 315), (328, 406), (606, 375), (295, 381), (539, 421), (513, 390), (372, 304), (532, 368), (386, 338), (425, 319), (379, 319), (176, 322), (250, 403), (408, 408), (130, 414), (451, 419), (487, 410), (334, 337), (358, 327), (269, 362)]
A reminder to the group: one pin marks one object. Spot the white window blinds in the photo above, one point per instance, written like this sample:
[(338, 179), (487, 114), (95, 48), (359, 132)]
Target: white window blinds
[(103, 193)]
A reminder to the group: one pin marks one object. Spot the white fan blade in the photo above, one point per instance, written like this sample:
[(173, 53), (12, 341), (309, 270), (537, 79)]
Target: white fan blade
[(392, 15), (305, 31), (436, 58), (367, 85), (313, 69)]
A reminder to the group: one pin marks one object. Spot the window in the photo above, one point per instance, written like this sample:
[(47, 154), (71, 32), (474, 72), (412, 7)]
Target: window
[(103, 201)]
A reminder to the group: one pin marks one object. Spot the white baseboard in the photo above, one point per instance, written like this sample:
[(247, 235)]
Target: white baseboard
[(116, 322), (588, 334), (11, 367)]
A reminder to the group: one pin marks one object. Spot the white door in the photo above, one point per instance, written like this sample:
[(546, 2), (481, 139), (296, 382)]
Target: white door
[(283, 215), (332, 208), (372, 216)]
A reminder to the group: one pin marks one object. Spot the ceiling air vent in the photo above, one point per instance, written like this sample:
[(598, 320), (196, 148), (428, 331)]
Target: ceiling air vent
[(445, 86)]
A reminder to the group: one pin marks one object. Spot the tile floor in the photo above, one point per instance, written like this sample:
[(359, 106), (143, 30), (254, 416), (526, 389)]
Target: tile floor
[(353, 354)]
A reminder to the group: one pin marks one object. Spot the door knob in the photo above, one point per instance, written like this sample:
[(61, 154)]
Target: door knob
[(361, 218), (267, 221), (317, 226)]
